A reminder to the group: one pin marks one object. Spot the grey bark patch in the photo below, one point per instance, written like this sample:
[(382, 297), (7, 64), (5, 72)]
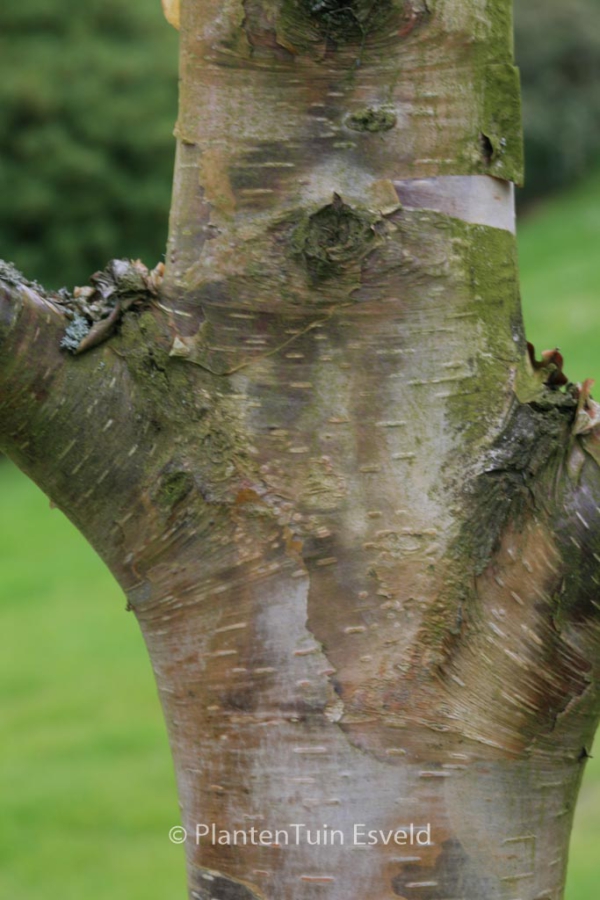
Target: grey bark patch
[(453, 877), (217, 887)]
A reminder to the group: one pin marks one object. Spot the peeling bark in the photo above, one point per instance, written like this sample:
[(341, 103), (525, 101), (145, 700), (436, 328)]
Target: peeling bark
[(357, 521)]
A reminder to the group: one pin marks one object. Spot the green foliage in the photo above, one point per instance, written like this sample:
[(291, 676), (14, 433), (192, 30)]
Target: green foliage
[(87, 106), (558, 51)]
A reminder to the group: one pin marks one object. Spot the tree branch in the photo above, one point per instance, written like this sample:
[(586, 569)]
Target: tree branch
[(31, 328), (92, 428)]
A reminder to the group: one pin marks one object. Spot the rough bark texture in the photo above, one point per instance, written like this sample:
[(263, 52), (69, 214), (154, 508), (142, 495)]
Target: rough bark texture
[(357, 521)]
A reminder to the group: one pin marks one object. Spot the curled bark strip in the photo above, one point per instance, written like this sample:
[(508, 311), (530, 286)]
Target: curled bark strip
[(95, 311), (172, 12), (550, 366)]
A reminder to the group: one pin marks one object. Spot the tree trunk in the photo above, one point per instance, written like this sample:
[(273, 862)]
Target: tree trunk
[(357, 521)]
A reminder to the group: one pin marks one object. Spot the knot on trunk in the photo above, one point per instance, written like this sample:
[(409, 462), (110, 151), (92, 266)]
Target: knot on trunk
[(333, 238)]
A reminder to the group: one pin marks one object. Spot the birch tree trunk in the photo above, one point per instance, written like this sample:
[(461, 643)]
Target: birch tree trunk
[(357, 521)]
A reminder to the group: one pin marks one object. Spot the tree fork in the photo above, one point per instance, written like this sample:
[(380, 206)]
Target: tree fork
[(357, 520)]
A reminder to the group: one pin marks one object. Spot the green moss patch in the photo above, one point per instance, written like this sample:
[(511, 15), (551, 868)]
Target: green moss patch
[(501, 128), (173, 487), (371, 120)]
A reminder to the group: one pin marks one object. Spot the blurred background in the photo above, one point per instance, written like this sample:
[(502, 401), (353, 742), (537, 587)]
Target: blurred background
[(87, 105)]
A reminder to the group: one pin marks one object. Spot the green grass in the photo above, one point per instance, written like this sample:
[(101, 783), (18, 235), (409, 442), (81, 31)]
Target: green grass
[(584, 862), (87, 793), (560, 277)]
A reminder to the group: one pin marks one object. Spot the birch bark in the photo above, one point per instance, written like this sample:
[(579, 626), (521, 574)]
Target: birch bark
[(356, 519)]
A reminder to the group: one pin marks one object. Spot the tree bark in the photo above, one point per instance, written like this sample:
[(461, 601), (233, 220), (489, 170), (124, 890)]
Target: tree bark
[(357, 521)]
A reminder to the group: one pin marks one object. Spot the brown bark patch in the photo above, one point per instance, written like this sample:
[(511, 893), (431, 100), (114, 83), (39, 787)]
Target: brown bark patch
[(452, 875)]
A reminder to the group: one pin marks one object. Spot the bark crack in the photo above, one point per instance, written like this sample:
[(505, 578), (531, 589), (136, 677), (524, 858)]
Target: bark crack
[(195, 349)]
